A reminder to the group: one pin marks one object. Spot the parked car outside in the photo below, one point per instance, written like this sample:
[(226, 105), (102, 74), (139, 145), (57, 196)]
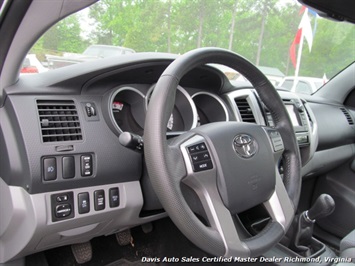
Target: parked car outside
[(273, 74), (305, 85), (32, 65), (93, 52)]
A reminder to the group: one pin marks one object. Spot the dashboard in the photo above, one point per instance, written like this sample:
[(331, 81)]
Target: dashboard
[(130, 103), (62, 156)]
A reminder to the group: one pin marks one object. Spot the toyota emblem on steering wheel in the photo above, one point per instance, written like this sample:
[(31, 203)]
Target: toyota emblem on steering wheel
[(245, 145)]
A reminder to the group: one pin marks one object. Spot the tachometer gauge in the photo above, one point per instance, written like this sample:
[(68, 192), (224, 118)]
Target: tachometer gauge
[(184, 114), (117, 106), (210, 108), (127, 110)]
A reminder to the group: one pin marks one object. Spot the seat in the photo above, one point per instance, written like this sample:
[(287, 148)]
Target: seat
[(347, 246)]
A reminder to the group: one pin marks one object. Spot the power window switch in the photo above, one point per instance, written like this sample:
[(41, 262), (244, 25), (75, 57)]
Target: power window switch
[(114, 197), (83, 202), (99, 200)]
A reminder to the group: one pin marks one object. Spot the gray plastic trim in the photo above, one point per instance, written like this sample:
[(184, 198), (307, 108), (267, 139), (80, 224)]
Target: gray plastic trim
[(27, 226), (338, 88), (215, 97), (326, 160), (218, 215), (113, 96), (279, 206), (252, 100), (273, 206), (194, 140), (313, 132)]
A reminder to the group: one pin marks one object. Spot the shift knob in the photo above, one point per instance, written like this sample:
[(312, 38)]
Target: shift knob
[(322, 207)]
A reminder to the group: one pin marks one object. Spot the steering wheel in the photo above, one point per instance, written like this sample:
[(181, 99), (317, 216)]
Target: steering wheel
[(231, 166)]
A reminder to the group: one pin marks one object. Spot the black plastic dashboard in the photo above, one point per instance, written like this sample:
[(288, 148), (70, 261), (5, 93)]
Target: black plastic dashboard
[(59, 140)]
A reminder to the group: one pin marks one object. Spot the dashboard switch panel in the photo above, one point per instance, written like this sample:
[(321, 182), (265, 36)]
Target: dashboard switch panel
[(83, 202), (68, 165), (90, 111), (62, 198), (114, 197), (63, 210), (99, 200), (86, 165), (62, 206), (49, 169)]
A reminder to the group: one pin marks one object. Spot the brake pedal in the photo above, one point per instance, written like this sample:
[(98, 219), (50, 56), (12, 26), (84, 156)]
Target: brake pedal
[(124, 237), (82, 252)]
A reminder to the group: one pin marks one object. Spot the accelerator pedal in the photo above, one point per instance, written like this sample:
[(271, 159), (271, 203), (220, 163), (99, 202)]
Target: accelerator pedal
[(82, 252)]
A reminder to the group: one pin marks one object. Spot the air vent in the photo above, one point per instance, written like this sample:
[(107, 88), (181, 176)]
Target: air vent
[(347, 115), (245, 111), (59, 121)]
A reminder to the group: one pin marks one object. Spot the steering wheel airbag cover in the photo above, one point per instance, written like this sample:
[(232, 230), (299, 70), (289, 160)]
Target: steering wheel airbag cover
[(244, 182)]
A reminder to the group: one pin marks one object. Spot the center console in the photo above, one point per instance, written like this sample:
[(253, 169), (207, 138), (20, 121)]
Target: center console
[(298, 116), (299, 246), (248, 107)]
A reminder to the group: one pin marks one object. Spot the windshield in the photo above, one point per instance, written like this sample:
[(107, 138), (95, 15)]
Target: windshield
[(281, 37), (106, 51)]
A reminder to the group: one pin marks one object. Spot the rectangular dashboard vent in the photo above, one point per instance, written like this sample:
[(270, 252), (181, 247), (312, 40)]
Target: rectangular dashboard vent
[(245, 111), (59, 121), (347, 116)]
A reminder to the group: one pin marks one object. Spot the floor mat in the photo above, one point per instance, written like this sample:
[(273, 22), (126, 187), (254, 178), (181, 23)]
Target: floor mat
[(123, 262), (165, 241)]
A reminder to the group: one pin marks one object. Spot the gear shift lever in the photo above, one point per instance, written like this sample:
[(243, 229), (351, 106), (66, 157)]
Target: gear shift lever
[(322, 207)]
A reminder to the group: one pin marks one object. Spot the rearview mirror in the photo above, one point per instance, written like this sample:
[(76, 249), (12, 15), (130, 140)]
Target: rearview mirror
[(342, 10)]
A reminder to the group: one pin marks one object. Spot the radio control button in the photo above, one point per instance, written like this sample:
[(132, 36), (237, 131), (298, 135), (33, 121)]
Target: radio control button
[(198, 167)]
